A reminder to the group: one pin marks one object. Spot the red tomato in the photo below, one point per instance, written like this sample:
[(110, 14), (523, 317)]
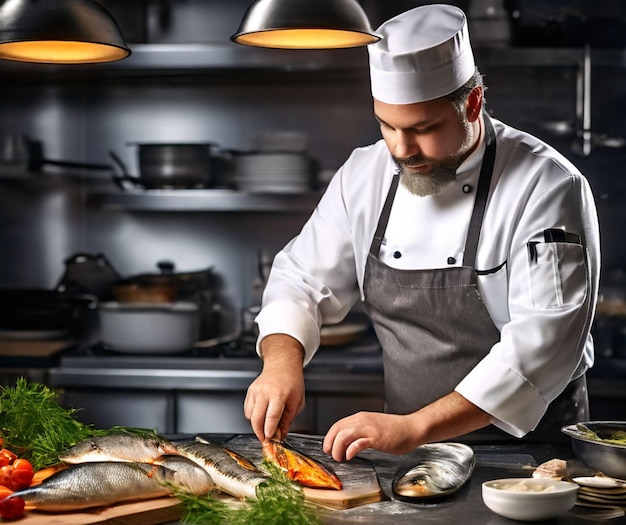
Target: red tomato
[(4, 460), (7, 453), (22, 474), (5, 475), (12, 508), (4, 492)]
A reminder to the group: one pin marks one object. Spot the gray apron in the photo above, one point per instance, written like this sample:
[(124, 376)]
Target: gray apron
[(434, 327)]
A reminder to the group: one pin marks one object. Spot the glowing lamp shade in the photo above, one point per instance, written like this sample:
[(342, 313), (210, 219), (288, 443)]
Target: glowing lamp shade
[(59, 32), (305, 24)]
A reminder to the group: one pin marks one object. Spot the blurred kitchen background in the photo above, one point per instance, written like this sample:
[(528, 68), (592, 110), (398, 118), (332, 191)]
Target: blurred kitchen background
[(554, 67)]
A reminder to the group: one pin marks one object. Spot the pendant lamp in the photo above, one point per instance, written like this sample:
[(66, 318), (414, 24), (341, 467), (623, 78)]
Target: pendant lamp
[(59, 32), (305, 24)]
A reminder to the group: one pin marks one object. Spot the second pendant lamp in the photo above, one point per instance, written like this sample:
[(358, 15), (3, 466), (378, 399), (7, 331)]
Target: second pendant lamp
[(305, 24)]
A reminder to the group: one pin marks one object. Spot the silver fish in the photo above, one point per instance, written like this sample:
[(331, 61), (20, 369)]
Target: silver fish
[(186, 475), (118, 447), (94, 484), (443, 470), (231, 472)]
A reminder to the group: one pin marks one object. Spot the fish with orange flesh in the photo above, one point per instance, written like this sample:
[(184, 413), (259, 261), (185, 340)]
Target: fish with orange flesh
[(300, 467)]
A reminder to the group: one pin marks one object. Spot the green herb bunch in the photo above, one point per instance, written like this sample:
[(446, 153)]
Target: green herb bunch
[(35, 426), (279, 502)]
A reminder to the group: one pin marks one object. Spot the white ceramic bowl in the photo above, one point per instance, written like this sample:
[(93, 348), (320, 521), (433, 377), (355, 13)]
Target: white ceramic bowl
[(529, 499)]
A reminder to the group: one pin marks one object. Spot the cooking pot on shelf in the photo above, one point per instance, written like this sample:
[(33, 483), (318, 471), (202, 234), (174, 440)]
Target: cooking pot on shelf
[(148, 328), (168, 166)]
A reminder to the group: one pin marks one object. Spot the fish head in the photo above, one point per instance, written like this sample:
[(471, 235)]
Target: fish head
[(87, 450), (165, 448), (412, 487)]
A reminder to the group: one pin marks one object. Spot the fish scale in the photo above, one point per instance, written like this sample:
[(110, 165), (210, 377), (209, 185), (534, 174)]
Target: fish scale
[(237, 477)]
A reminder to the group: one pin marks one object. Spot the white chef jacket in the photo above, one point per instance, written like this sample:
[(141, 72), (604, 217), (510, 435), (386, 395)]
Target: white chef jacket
[(542, 298)]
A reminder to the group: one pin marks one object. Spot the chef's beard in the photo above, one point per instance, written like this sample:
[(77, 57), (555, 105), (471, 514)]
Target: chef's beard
[(441, 175), (442, 172)]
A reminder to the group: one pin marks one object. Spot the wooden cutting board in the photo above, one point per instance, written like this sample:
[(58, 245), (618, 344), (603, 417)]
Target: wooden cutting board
[(358, 477), (24, 353), (149, 512)]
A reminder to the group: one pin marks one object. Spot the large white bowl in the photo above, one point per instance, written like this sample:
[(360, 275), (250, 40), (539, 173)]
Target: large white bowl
[(529, 499)]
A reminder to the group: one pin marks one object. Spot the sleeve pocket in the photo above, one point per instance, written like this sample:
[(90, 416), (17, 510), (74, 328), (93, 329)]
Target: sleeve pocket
[(557, 275)]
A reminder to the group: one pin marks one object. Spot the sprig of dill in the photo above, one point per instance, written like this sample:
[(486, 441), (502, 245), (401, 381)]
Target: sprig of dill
[(34, 425), (279, 502)]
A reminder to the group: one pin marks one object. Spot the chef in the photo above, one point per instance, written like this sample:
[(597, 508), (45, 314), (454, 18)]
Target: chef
[(473, 246)]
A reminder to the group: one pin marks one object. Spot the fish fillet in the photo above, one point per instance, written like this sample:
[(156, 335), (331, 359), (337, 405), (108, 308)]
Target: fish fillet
[(300, 467)]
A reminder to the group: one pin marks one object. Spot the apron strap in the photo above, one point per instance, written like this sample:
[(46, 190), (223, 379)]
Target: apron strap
[(482, 194), (384, 216)]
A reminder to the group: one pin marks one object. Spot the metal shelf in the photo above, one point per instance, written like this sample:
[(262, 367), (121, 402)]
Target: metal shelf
[(223, 58), (204, 200), (548, 57)]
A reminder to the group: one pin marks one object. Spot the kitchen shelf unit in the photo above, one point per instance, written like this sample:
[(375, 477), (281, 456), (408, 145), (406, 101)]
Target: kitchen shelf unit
[(223, 59), (204, 200)]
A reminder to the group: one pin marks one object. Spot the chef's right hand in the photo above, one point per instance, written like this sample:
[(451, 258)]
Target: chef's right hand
[(276, 397)]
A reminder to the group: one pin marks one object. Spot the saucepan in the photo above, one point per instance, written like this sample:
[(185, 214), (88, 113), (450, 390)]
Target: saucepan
[(21, 152), (166, 285), (185, 165), (149, 328)]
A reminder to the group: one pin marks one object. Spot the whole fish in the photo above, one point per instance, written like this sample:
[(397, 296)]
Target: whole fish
[(118, 447), (300, 467), (444, 469), (231, 472), (97, 484), (186, 475)]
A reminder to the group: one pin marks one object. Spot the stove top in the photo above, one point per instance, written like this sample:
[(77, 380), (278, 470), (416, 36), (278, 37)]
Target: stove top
[(226, 353), (105, 355)]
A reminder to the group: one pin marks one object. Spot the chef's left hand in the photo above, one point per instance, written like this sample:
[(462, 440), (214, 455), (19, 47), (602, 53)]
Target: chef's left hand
[(389, 433)]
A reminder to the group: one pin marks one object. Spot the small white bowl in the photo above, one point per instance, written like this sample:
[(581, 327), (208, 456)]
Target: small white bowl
[(529, 499)]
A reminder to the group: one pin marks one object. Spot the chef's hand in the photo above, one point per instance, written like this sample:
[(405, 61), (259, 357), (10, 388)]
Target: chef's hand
[(276, 397), (446, 418), (385, 432)]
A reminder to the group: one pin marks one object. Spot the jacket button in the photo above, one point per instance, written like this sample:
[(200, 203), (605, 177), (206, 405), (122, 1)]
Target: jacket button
[(467, 188), (451, 260), (397, 255)]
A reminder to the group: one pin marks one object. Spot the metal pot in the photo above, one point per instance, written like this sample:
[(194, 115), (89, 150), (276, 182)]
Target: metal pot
[(168, 285), (169, 166), (185, 284), (149, 328)]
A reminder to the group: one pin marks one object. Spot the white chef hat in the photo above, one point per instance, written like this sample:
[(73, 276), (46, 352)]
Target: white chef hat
[(424, 53)]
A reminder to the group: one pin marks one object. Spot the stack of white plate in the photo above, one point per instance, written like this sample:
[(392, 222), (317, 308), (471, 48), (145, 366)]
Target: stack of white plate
[(273, 172), (280, 141)]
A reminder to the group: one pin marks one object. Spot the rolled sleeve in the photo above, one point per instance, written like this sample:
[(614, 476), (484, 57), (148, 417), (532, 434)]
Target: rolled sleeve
[(285, 317), (490, 382)]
